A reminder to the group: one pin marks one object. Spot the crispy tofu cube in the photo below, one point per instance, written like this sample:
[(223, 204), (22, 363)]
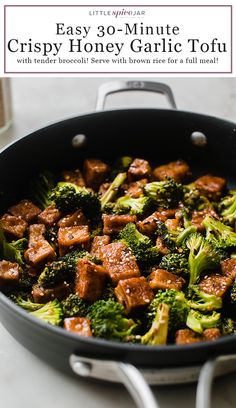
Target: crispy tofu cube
[(139, 169), (215, 284), (70, 236), (73, 220), (78, 325), (26, 210), (95, 172), (210, 186), (36, 232), (211, 334), (162, 279), (178, 170), (136, 189), (228, 267), (119, 261), (89, 280), (74, 177), (198, 217), (13, 225), (40, 253), (133, 293), (149, 225), (112, 224), (44, 295), (98, 242), (9, 273), (49, 216), (187, 336)]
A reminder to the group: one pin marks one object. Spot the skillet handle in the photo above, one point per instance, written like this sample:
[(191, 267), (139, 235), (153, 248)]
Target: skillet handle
[(121, 86), (214, 367), (116, 371)]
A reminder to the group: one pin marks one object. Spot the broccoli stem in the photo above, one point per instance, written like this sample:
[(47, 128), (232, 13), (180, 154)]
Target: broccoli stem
[(112, 190), (159, 329)]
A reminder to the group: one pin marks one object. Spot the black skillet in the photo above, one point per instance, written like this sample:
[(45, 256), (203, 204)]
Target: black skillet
[(208, 144)]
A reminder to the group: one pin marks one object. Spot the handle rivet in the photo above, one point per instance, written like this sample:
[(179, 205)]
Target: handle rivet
[(198, 139), (81, 368), (78, 141)]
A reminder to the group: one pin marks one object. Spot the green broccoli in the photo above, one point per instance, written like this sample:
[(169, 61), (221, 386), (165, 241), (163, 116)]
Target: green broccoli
[(108, 320), (198, 321), (136, 206), (202, 301), (166, 194), (108, 292), (27, 303), (41, 189), (165, 235), (140, 244), (175, 262), (220, 234), (158, 332), (227, 208), (178, 308), (227, 326), (69, 197), (63, 269), (73, 305), (202, 256), (51, 313), (191, 199), (110, 194), (120, 166), (12, 251)]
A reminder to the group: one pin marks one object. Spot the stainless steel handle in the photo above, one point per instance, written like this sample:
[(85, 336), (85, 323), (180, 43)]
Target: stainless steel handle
[(212, 368), (116, 371), (120, 86)]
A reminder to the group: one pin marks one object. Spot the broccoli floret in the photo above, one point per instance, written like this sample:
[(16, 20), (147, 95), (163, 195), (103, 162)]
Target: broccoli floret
[(220, 234), (227, 208), (26, 302), (227, 326), (165, 235), (165, 194), (191, 199), (202, 301), (63, 269), (178, 308), (108, 292), (158, 332), (202, 256), (136, 206), (51, 235), (73, 305), (108, 320), (69, 197), (51, 313), (140, 244), (110, 194), (198, 321), (12, 251), (120, 166), (41, 189), (175, 262)]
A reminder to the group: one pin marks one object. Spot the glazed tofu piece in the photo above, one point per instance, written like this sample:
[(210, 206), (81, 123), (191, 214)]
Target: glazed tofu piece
[(40, 253), (136, 189), (26, 210), (103, 188), (36, 232), (74, 177), (44, 295), (215, 284), (9, 273), (49, 216), (89, 280), (178, 170), (211, 334), (95, 172), (210, 186), (78, 325), (72, 220), (228, 267), (149, 225), (13, 225), (98, 242), (172, 223), (119, 261), (162, 279), (112, 224), (133, 293), (70, 236), (187, 336), (198, 217), (139, 169)]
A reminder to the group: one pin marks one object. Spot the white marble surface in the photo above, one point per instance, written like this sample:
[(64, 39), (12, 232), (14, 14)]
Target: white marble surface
[(25, 381)]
